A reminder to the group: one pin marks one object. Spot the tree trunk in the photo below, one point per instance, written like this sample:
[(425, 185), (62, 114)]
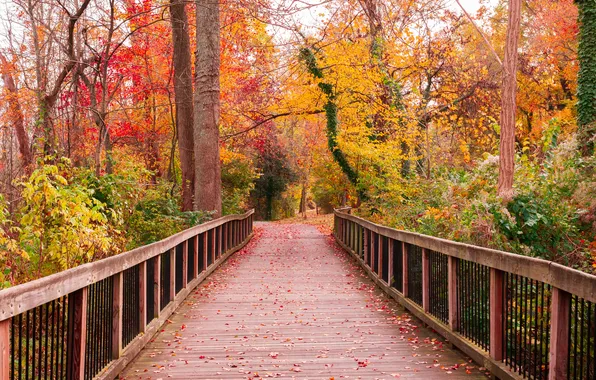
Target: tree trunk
[(303, 200), (508, 103), (586, 81), (183, 94), (206, 111), (16, 114)]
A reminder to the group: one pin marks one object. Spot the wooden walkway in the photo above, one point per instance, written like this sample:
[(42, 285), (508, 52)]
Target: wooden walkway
[(292, 304)]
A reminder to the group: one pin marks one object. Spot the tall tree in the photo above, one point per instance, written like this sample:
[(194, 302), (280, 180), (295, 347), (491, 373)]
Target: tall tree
[(48, 95), (16, 113), (206, 111), (183, 95), (508, 103), (586, 86)]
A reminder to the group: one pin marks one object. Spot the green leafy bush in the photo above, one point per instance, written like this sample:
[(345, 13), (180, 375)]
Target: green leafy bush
[(156, 217)]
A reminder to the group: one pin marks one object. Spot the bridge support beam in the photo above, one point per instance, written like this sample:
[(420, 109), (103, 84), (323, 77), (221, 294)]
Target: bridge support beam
[(559, 334)]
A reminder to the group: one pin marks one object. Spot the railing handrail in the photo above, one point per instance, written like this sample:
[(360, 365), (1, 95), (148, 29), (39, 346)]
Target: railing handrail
[(565, 278), (23, 297)]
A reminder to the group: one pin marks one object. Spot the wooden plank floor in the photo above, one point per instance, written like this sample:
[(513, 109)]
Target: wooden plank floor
[(291, 304)]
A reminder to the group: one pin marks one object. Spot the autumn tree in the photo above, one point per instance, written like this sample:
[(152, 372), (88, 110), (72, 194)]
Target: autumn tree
[(508, 103), (207, 108), (16, 112), (184, 101), (43, 37)]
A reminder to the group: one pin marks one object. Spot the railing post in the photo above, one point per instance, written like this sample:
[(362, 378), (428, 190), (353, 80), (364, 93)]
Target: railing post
[(380, 256), (212, 232), (196, 254), (142, 296), (172, 273), (366, 245), (236, 234), (390, 261), (452, 292), (354, 239), (373, 241), (224, 240), (219, 236), (117, 315), (425, 280), (404, 256), (77, 328), (4, 349), (350, 225), (185, 264), (205, 253), (496, 313), (559, 334), (156, 285)]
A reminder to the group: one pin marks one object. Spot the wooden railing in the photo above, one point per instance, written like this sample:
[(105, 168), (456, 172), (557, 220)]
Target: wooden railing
[(89, 322), (518, 316)]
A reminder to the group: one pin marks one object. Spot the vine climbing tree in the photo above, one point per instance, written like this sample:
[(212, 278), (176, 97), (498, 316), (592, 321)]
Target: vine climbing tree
[(586, 86), (309, 59)]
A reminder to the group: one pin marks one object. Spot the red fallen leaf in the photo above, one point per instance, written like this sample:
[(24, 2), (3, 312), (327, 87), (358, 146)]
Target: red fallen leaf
[(202, 357), (274, 354)]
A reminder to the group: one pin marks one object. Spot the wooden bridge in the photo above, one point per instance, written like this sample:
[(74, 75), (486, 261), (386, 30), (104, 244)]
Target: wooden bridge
[(224, 300)]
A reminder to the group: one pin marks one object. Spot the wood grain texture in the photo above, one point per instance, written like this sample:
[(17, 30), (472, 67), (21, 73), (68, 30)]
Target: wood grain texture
[(294, 305)]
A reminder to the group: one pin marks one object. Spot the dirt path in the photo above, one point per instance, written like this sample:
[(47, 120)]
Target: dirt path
[(292, 304)]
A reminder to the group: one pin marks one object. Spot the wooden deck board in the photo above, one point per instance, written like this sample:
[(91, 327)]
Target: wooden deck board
[(294, 305)]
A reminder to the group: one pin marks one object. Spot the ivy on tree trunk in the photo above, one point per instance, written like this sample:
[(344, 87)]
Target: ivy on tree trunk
[(586, 82), (330, 108)]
